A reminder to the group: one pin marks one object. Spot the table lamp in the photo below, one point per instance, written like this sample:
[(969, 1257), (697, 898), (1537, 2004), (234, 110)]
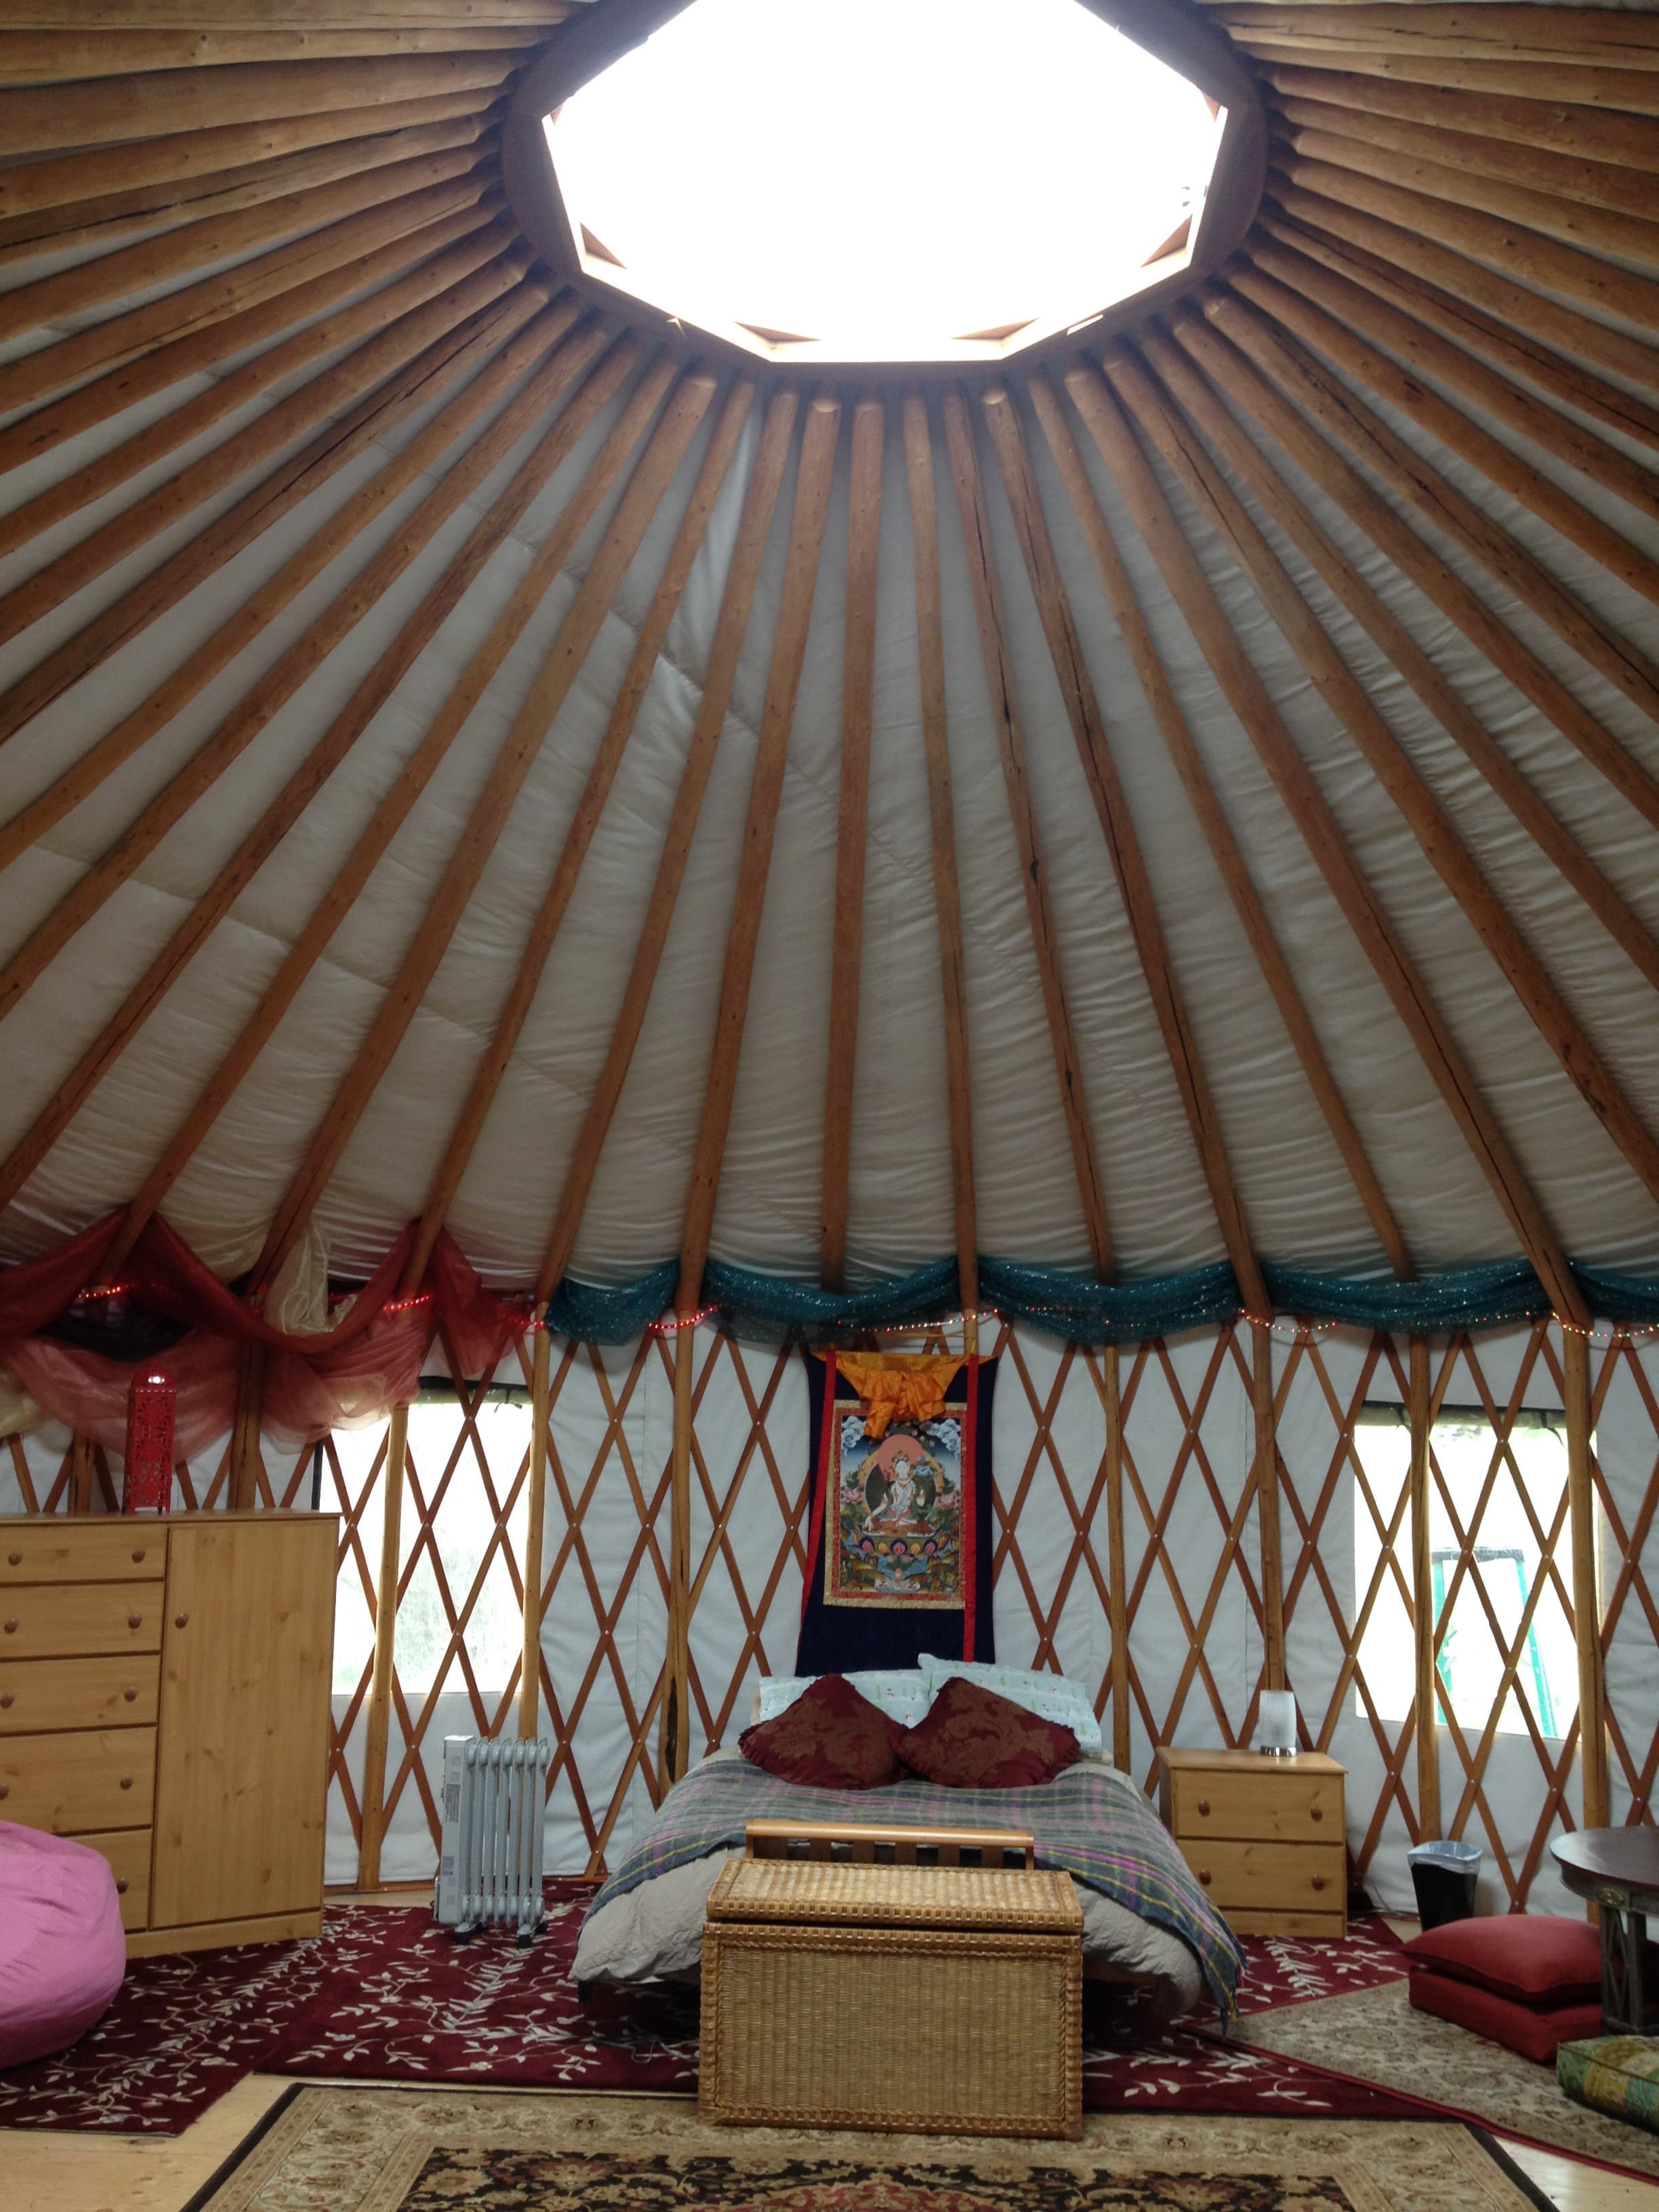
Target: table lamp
[(1275, 1724)]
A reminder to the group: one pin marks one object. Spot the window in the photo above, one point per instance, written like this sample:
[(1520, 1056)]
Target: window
[(1498, 1517), (884, 179), (459, 1496)]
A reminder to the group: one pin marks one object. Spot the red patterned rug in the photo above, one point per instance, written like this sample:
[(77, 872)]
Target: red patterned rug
[(384, 1995)]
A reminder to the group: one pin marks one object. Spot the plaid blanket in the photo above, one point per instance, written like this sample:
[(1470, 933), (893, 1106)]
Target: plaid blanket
[(1089, 1822)]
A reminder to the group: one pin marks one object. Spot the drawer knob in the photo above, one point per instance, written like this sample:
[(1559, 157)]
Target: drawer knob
[(1319, 1882), (5, 1788), (11, 1626), (1204, 1806), (126, 1782), (138, 1558), (181, 1620), (14, 1559), (130, 1696), (1316, 1812), (120, 1888), (1203, 1877), (7, 1700), (135, 1620)]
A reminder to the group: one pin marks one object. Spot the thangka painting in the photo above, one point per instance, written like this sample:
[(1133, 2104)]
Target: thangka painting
[(898, 1510), (900, 1536)]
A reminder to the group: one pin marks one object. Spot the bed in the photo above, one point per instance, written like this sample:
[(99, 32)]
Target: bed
[(1144, 1917)]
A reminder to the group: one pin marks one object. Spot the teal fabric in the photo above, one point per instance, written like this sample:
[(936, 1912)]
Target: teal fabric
[(777, 1309)]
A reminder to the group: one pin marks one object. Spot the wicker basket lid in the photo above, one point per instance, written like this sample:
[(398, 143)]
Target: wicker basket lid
[(816, 1893)]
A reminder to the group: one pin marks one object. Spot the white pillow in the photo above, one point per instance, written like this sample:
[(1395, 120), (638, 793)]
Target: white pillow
[(903, 1693), (1051, 1696)]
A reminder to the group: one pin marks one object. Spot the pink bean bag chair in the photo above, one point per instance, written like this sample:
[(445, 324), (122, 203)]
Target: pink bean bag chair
[(62, 1953)]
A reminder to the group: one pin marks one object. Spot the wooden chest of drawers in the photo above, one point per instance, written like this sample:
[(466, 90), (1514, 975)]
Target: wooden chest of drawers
[(164, 1688), (1264, 1836)]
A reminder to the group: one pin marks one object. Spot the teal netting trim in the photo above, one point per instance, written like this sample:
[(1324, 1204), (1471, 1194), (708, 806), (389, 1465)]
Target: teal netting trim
[(773, 1309), (597, 1316), (767, 1310)]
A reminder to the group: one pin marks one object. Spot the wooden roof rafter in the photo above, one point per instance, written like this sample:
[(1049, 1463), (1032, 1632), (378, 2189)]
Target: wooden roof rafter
[(941, 814), (1034, 883), (812, 482), (571, 362), (1252, 703), (1439, 842), (1230, 860), (847, 936), (1123, 850), (653, 472)]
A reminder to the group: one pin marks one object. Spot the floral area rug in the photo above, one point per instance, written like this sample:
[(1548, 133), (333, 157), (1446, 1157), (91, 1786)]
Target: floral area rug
[(387, 2150), (1373, 2036), (384, 1995)]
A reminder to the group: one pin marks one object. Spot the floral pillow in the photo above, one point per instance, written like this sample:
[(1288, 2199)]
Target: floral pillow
[(1053, 1696), (830, 1738), (974, 1740)]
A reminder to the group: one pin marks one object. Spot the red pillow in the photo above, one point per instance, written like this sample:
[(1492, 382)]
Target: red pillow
[(971, 1739), (1531, 2029), (1536, 1958), (830, 1737)]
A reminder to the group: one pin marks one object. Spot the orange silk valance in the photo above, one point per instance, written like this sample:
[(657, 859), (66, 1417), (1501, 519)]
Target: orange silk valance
[(898, 1386)]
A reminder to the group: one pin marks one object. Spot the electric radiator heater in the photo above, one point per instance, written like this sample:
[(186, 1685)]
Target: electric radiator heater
[(490, 1865)]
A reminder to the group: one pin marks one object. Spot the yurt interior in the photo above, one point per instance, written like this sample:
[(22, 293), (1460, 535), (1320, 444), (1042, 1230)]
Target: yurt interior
[(829, 1105)]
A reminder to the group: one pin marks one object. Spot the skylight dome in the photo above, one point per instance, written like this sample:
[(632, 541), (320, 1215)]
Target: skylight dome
[(866, 180)]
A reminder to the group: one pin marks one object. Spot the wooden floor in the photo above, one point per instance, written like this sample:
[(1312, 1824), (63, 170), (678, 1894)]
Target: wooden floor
[(43, 2172)]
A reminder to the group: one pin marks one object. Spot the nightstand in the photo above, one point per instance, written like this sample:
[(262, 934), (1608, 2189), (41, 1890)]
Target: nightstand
[(1264, 1836)]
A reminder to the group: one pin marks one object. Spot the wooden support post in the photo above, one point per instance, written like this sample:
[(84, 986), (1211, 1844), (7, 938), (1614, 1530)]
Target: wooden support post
[(386, 1629), (79, 1484), (1116, 1572), (529, 1677), (676, 1705), (1586, 1582), (245, 1462), (1421, 1518), (1266, 1506)]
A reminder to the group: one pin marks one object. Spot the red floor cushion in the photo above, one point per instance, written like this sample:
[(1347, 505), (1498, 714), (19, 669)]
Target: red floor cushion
[(62, 1949), (1533, 2030), (830, 1738), (1534, 1957)]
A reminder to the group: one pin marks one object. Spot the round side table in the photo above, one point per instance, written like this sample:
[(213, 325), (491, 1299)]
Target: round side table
[(1618, 1868)]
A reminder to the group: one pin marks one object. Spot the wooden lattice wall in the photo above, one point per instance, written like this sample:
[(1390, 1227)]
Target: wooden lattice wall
[(1128, 1555)]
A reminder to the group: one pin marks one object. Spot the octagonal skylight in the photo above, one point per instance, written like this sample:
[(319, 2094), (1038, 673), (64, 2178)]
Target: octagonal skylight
[(868, 180)]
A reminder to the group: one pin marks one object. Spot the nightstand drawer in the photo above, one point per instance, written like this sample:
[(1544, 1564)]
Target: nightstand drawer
[(118, 1549), (1272, 1806), (65, 1620), (127, 1850), (71, 1784), (114, 1692), (1277, 1878)]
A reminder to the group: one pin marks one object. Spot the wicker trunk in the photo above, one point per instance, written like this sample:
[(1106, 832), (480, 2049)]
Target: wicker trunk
[(939, 2000)]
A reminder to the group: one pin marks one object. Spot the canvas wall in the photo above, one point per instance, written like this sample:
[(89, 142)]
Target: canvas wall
[(1190, 1570)]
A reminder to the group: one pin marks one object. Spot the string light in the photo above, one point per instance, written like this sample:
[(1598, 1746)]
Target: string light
[(671, 1324), (403, 1305), (105, 1290), (1286, 1330)]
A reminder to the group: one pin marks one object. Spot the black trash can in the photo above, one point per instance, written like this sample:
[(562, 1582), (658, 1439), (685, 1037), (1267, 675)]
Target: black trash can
[(1444, 1875)]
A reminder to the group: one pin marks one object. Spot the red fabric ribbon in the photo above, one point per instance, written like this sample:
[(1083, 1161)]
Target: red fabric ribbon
[(313, 1383)]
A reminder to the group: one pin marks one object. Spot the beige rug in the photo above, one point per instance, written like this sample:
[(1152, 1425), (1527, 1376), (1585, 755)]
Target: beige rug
[(1375, 2036), (358, 2149)]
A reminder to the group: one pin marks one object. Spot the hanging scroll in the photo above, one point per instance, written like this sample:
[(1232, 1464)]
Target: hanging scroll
[(900, 1560)]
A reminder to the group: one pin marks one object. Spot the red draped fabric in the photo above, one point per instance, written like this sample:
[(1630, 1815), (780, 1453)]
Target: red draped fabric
[(338, 1378)]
